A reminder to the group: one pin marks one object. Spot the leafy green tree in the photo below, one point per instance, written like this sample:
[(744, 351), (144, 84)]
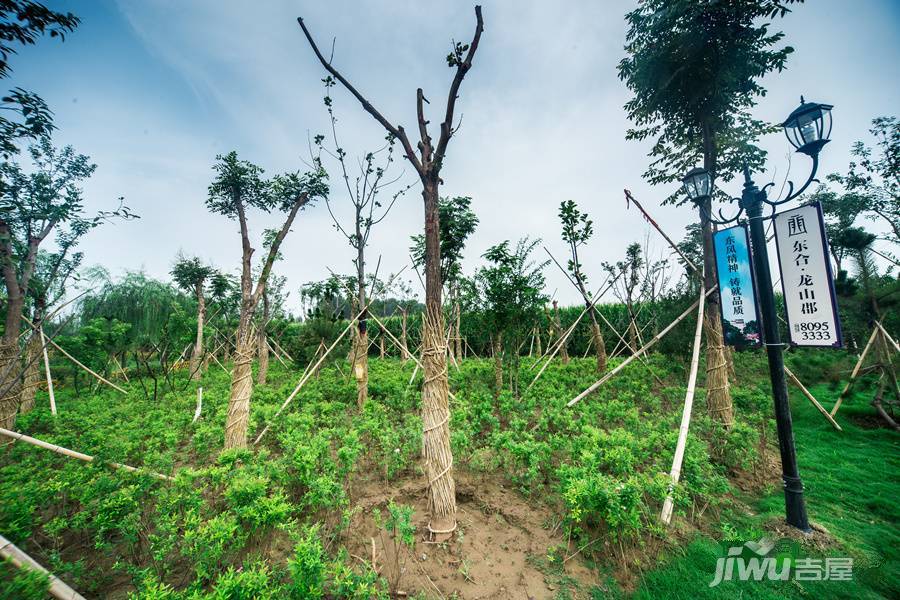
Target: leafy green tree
[(43, 198), (511, 287), (238, 185), (695, 70), (22, 22), (191, 275), (577, 229), (872, 180)]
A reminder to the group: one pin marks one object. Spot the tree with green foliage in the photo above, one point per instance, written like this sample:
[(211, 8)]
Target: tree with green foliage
[(428, 163), (238, 185), (872, 180), (577, 229), (42, 198), (22, 22), (511, 290), (695, 70), (191, 275), (457, 222)]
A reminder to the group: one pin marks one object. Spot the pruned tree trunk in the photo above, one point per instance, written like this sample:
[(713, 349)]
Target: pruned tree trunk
[(381, 343), (537, 335), (437, 452), (197, 363), (33, 352)]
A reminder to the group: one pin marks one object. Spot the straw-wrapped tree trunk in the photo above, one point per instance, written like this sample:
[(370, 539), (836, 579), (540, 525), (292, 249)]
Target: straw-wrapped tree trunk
[(427, 163), (238, 186)]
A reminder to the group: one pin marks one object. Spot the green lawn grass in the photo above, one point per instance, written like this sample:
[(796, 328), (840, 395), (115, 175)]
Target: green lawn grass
[(852, 487)]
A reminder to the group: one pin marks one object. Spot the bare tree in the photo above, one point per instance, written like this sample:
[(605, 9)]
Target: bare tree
[(428, 163), (368, 211)]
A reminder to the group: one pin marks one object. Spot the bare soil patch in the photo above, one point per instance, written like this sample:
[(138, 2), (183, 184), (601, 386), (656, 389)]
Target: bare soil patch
[(499, 551)]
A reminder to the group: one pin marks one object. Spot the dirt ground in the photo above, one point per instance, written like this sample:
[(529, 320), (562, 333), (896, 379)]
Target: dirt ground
[(500, 551)]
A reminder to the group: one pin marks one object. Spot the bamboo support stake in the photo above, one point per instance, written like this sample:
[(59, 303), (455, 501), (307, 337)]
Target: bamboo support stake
[(283, 351), (811, 398), (278, 356), (47, 370), (74, 454), (307, 375), (58, 588), (675, 474), (199, 404), (77, 362), (121, 370), (637, 354), (859, 363), (888, 337)]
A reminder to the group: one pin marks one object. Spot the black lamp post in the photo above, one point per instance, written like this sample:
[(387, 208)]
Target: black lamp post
[(807, 129)]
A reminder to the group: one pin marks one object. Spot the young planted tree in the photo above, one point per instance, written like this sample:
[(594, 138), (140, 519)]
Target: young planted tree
[(237, 187), (510, 287), (577, 229), (695, 71), (428, 163), (368, 211), (45, 199), (557, 333), (457, 221), (191, 275)]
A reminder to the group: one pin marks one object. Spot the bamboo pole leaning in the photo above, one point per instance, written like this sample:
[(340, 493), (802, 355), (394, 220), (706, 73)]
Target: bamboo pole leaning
[(675, 474), (75, 454), (278, 356), (855, 372), (811, 398), (47, 370), (888, 337), (637, 354), (58, 588), (77, 362), (283, 351)]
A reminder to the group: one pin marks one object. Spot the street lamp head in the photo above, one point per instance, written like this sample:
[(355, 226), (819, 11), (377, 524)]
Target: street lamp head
[(809, 127), (697, 184)]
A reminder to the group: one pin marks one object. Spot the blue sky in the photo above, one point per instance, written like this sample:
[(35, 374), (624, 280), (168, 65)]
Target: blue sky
[(152, 90)]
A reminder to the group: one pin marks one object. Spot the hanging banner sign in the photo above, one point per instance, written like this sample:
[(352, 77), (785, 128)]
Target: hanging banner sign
[(806, 278), (737, 292)]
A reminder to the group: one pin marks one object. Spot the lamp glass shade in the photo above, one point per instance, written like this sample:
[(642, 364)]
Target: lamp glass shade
[(697, 183)]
